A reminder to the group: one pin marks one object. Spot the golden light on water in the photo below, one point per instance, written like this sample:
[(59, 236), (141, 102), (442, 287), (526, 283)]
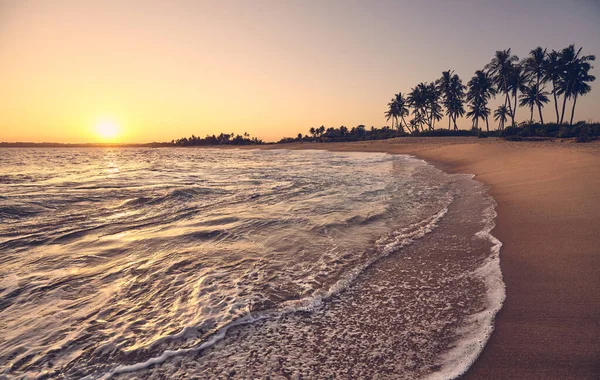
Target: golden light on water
[(107, 130)]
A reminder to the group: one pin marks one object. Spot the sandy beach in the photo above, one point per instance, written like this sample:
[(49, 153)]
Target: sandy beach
[(548, 217)]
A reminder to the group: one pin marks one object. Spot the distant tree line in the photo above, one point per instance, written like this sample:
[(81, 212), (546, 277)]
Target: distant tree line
[(532, 82), (222, 139), (358, 133), (564, 75)]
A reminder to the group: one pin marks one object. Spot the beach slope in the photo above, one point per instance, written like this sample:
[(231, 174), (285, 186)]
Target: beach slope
[(548, 196)]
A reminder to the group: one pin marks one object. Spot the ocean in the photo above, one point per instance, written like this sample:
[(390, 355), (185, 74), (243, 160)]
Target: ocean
[(226, 263)]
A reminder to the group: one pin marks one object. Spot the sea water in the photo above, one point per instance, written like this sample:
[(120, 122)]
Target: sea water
[(213, 263)]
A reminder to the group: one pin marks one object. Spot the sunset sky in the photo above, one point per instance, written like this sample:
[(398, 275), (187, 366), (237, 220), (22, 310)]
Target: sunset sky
[(141, 71)]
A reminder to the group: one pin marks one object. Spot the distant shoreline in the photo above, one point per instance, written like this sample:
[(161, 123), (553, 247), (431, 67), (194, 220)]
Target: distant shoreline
[(581, 132), (89, 145)]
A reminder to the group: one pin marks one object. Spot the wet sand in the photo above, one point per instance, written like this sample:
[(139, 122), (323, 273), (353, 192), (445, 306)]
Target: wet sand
[(548, 196)]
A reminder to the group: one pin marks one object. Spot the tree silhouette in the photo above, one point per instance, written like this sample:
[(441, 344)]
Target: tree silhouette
[(479, 110), (534, 67), (481, 89), (501, 115), (425, 101), (533, 96), (567, 70), (453, 92), (553, 74), (321, 130), (573, 70), (500, 69), (392, 112), (575, 76), (401, 109), (417, 100)]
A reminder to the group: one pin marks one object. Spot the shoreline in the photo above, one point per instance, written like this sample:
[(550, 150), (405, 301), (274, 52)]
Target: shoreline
[(548, 212)]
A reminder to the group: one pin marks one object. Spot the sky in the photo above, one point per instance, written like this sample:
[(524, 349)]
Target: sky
[(74, 71)]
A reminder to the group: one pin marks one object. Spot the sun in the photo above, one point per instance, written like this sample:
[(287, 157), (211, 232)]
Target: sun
[(107, 130)]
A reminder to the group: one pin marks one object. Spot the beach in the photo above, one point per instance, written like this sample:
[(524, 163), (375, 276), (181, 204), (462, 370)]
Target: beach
[(548, 218), (306, 260)]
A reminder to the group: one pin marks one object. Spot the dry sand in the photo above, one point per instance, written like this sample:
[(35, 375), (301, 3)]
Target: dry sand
[(548, 196)]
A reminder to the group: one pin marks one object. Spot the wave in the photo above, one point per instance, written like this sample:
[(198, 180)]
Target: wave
[(176, 195), (474, 338), (182, 257), (386, 245)]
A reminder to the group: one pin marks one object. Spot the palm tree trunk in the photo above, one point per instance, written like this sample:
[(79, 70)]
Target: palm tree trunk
[(449, 120), (487, 125), (454, 121), (562, 114), (514, 111), (430, 124), (531, 118), (507, 96), (573, 109), (537, 99), (555, 101), (512, 114)]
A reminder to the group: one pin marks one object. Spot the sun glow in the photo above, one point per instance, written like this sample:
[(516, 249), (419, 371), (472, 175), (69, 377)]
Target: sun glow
[(107, 130)]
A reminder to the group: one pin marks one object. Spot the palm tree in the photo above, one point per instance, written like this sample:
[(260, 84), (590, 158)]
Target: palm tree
[(453, 92), (574, 69), (313, 132), (321, 130), (533, 96), (455, 103), (397, 108), (579, 84), (553, 74), (444, 87), (501, 115), (479, 110), (391, 112), (401, 108), (458, 98), (432, 96), (417, 100), (567, 59), (481, 89), (500, 69), (517, 82), (424, 99), (534, 67)]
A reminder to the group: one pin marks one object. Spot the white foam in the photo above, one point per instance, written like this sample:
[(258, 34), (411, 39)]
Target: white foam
[(478, 327), (387, 246)]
